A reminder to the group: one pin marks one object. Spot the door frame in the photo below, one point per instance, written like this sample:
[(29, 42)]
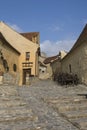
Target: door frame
[(25, 72)]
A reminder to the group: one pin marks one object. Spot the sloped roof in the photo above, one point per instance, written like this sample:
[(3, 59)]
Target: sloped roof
[(50, 59), (16, 40), (4, 41), (82, 37), (42, 64), (29, 35), (80, 40)]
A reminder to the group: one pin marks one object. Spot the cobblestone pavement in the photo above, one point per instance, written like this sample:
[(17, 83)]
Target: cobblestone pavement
[(43, 105)]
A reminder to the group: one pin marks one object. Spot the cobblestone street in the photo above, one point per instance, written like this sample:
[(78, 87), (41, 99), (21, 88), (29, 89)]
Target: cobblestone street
[(43, 105)]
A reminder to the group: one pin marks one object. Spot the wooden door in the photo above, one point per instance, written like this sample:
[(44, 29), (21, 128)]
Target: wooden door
[(26, 72)]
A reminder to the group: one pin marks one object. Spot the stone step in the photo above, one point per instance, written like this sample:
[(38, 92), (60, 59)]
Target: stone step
[(16, 114), (15, 111), (9, 98), (66, 101), (11, 104), (18, 118), (8, 90), (75, 114), (70, 107), (80, 123), (21, 125), (14, 102)]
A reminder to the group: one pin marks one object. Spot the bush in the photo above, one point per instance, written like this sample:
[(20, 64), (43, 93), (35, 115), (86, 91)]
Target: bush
[(66, 78)]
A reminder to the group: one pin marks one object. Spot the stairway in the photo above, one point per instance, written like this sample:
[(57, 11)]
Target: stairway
[(73, 108), (15, 113)]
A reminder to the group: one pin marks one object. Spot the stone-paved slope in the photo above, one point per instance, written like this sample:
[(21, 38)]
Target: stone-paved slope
[(14, 112), (37, 96), (71, 104), (43, 106)]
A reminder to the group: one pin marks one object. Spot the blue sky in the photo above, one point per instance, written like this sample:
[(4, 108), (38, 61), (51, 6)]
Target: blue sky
[(59, 22)]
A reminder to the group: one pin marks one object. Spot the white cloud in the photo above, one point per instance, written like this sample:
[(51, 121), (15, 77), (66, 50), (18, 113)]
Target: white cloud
[(53, 48), (15, 27)]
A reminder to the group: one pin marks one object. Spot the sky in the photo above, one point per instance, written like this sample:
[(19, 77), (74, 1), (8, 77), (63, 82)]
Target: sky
[(59, 22)]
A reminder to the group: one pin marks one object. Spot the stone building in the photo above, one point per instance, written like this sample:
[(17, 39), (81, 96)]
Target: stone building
[(76, 60), (56, 64), (42, 70), (18, 54), (42, 67), (48, 62), (52, 64)]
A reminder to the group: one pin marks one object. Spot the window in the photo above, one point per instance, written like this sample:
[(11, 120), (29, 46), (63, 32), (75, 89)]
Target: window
[(27, 55), (14, 67), (39, 69), (5, 64), (70, 69), (7, 69)]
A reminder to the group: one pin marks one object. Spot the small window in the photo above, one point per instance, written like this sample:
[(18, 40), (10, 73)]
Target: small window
[(7, 69), (70, 69), (27, 55), (14, 67), (39, 69), (5, 64)]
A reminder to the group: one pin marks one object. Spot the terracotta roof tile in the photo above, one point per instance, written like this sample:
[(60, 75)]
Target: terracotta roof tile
[(50, 59), (29, 35), (42, 64)]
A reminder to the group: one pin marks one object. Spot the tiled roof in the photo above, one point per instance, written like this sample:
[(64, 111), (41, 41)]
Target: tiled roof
[(50, 59), (42, 64), (29, 35)]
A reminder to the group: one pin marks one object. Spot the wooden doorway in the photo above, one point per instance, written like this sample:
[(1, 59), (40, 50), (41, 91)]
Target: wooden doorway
[(26, 73)]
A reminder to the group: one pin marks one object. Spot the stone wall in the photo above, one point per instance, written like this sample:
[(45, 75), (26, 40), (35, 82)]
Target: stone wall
[(56, 67), (76, 62), (10, 79)]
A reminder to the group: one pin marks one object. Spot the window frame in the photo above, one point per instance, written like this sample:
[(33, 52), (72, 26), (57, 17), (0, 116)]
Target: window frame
[(27, 56)]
